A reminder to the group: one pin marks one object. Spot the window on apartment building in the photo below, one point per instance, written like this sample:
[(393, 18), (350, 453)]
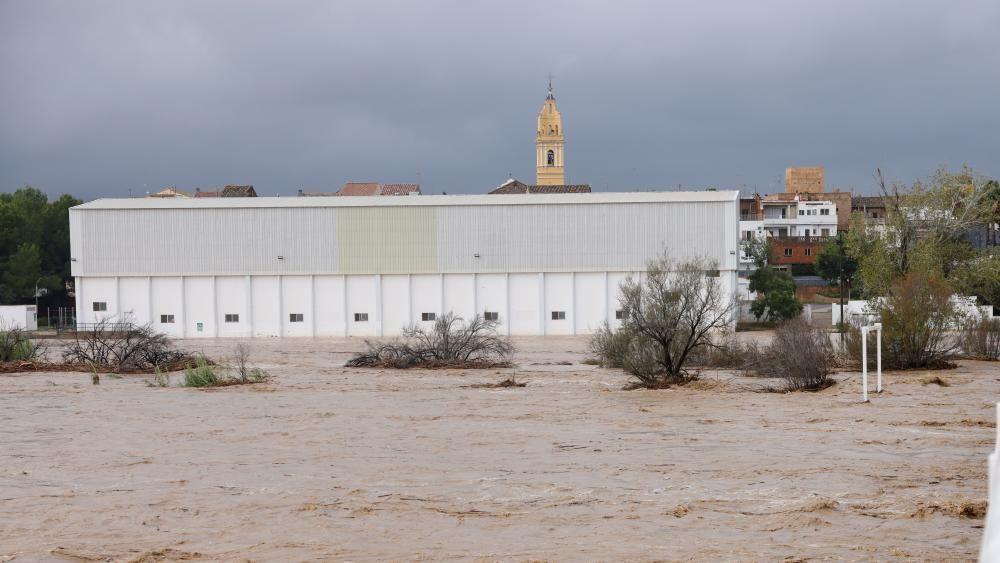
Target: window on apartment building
[(100, 305), (232, 318), (428, 316), (874, 214), (360, 317), (747, 235), (809, 251), (295, 317), (826, 232), (491, 315), (802, 211), (620, 314), (166, 319), (806, 232), (788, 252), (824, 211), (558, 315)]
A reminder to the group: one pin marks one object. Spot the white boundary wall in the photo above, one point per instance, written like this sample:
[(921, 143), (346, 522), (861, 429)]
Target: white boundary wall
[(263, 305), (18, 316)]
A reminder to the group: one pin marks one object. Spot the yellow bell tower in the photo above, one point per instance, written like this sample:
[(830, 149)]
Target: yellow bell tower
[(549, 144)]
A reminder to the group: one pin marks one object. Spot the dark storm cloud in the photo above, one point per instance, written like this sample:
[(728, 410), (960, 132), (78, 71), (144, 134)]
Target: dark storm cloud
[(100, 98)]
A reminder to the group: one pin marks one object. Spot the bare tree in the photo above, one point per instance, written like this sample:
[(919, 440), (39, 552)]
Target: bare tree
[(800, 354), (116, 344), (670, 314), (451, 342)]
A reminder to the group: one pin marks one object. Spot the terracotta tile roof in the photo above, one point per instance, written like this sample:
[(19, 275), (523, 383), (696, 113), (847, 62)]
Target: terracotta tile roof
[(373, 188), (359, 188), (238, 191), (515, 187), (199, 193), (399, 189)]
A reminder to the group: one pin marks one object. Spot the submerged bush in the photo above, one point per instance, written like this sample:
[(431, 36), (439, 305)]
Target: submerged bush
[(16, 346), (609, 347), (202, 375), (980, 338), (450, 343), (800, 354), (670, 317), (916, 316), (208, 374), (121, 346)]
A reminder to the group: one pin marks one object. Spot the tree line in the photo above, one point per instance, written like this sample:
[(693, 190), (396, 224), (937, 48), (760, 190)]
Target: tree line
[(34, 244)]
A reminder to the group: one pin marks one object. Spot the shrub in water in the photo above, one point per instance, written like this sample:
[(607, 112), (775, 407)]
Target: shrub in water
[(16, 346)]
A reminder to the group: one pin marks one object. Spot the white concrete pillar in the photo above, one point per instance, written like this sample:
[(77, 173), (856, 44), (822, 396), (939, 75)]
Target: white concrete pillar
[(441, 290), (541, 303), (78, 290), (475, 294), (249, 313), (607, 310), (184, 320), (506, 319), (281, 306), (409, 299), (149, 299), (378, 304), (215, 306), (118, 298), (343, 296), (572, 284), (312, 305)]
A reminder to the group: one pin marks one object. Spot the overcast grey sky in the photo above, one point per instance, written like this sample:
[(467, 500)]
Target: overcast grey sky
[(97, 98)]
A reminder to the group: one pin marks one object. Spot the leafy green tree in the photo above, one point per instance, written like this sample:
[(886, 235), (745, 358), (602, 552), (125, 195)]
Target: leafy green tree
[(833, 263), (925, 229), (775, 289), (34, 243), (775, 295), (21, 272)]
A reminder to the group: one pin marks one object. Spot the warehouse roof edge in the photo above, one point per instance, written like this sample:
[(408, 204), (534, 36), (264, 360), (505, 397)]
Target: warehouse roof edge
[(423, 200)]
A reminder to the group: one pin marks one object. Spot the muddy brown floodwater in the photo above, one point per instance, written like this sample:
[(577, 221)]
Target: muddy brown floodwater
[(333, 463)]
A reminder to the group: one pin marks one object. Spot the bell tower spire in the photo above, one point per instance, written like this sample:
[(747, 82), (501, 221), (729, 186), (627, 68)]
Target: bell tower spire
[(549, 142)]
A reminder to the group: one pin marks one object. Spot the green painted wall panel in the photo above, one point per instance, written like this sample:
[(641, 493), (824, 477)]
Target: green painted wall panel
[(386, 240)]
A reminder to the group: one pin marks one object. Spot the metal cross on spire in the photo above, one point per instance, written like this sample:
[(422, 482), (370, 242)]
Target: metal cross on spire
[(550, 96)]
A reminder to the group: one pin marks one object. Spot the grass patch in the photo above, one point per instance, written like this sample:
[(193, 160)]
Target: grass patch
[(15, 346), (202, 375), (206, 374)]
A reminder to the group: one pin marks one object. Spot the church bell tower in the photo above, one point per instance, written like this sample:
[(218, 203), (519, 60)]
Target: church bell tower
[(549, 143)]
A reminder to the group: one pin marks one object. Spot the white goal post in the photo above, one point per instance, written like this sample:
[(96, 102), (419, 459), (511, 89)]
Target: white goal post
[(864, 359)]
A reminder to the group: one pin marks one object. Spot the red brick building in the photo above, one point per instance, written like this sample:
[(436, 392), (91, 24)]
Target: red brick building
[(786, 251)]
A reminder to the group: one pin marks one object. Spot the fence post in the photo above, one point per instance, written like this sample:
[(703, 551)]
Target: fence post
[(878, 356), (864, 364)]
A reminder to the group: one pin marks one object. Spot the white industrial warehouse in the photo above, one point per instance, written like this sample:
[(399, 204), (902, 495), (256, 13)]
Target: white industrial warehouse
[(346, 266)]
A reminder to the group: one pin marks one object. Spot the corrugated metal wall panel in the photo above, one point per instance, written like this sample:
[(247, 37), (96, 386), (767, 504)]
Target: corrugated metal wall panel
[(407, 239), (205, 241), (622, 236)]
